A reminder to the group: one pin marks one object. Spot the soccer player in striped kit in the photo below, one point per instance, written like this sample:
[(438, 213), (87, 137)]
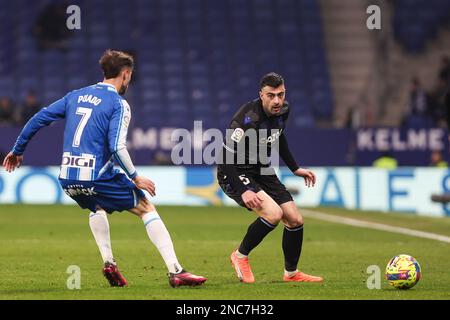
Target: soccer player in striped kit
[(97, 119)]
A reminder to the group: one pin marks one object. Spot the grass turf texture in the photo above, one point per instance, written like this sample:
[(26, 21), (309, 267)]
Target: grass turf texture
[(38, 243)]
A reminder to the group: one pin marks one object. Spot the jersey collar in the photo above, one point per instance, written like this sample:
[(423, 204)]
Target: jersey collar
[(107, 84)]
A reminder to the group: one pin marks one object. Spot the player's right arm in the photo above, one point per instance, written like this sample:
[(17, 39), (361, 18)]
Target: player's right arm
[(43, 118), (117, 137)]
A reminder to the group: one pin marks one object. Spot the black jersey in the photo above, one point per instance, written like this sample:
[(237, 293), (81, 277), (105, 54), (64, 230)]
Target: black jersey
[(253, 134), (249, 140)]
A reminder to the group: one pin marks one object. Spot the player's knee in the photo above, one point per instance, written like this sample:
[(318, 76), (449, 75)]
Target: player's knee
[(98, 212), (275, 215), (101, 211), (294, 221), (298, 221), (149, 207), (144, 206)]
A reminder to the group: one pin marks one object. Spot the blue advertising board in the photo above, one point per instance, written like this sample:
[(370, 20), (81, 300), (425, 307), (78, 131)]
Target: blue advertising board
[(402, 190)]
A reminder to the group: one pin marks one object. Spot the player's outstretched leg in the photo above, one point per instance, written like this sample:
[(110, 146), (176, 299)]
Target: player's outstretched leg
[(160, 237), (98, 222), (292, 244)]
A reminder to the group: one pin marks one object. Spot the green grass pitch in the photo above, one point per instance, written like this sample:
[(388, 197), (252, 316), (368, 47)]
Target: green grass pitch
[(38, 243)]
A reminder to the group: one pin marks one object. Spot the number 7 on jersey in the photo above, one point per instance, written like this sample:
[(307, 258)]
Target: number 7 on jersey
[(85, 114)]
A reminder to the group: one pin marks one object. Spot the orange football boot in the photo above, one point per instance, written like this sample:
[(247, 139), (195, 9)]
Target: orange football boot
[(242, 267), (302, 277)]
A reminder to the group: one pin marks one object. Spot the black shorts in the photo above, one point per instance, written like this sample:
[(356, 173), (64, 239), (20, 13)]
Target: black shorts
[(256, 182)]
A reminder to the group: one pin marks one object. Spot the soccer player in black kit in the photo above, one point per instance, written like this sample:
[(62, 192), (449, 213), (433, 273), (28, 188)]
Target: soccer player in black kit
[(245, 175)]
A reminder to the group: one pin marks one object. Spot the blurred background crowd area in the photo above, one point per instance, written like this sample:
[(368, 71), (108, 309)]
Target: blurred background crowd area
[(201, 60)]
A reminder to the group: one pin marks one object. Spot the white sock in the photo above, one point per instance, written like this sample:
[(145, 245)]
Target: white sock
[(100, 229), (290, 273), (158, 234), (240, 255)]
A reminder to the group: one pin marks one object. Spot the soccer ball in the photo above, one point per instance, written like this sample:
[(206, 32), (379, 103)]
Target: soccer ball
[(403, 272)]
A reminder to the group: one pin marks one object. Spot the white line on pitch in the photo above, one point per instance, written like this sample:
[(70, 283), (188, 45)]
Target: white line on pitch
[(373, 225)]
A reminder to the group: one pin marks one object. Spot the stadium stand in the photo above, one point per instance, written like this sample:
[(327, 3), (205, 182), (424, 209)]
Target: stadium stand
[(196, 59), (417, 21)]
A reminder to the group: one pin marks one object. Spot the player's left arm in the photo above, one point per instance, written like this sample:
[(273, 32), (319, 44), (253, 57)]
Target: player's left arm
[(43, 118), (288, 158), (117, 136)]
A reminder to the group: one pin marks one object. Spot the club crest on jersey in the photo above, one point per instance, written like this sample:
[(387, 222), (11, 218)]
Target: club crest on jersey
[(237, 135), (90, 99), (127, 114)]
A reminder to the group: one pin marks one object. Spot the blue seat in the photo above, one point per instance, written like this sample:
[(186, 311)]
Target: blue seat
[(51, 96), (173, 69), (149, 92), (177, 122), (198, 69), (427, 17), (149, 70), (154, 105), (76, 82), (28, 83)]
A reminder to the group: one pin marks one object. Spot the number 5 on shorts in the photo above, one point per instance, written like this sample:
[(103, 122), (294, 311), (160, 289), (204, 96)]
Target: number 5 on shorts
[(244, 179)]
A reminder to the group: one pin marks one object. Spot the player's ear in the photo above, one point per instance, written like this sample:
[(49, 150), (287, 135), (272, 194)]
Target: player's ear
[(127, 74)]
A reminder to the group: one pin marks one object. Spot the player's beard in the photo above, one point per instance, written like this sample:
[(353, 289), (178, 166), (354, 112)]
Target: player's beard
[(123, 89), (275, 109)]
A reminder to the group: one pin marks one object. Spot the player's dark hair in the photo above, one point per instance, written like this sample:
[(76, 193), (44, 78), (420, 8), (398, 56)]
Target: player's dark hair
[(272, 79), (113, 61)]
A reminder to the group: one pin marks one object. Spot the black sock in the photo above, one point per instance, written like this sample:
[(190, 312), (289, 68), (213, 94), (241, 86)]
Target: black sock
[(255, 233), (292, 246)]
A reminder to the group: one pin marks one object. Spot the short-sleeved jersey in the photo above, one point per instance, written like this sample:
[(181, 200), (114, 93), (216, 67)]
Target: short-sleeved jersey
[(97, 120), (267, 130)]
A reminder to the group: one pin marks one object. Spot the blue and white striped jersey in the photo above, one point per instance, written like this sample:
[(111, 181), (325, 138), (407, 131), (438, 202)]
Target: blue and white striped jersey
[(97, 120)]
